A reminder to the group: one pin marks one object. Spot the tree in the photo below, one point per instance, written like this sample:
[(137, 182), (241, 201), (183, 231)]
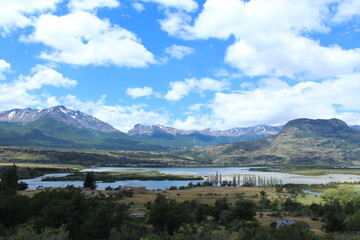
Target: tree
[(244, 210), (29, 233), (334, 217), (167, 215), (90, 181), (9, 180)]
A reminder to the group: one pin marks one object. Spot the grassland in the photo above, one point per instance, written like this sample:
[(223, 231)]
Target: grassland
[(40, 165), (209, 195)]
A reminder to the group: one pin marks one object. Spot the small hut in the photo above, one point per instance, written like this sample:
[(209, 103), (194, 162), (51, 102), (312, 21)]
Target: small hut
[(284, 222), (135, 188)]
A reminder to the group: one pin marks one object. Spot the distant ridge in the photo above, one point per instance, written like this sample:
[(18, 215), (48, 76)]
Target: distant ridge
[(258, 130), (176, 138)]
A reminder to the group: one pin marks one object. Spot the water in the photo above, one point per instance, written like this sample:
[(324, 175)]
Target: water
[(226, 172), (312, 192)]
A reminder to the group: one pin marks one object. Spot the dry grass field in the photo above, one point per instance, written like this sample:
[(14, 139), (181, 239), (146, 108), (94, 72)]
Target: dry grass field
[(39, 165), (209, 195)]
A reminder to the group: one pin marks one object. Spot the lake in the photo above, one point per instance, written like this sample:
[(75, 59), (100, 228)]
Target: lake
[(226, 172)]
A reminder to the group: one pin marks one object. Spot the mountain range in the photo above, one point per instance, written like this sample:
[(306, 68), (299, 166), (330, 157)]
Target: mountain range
[(59, 127), (64, 128), (169, 136), (258, 130), (300, 141)]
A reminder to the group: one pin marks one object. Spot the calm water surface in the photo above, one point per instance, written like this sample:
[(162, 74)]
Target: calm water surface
[(226, 172)]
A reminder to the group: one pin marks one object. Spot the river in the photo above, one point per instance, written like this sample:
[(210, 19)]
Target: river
[(226, 172)]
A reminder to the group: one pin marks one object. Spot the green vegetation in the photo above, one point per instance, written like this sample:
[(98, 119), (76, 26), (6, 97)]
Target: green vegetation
[(192, 140), (89, 181), (123, 175), (55, 134), (9, 181), (79, 158)]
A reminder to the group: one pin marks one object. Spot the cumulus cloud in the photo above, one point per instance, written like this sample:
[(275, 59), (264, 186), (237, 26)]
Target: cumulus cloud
[(43, 75), (179, 52), (180, 89), (91, 4), (346, 10), (271, 36), (74, 42), (4, 67), (177, 24), (19, 93), (185, 5), (17, 13), (139, 92), (138, 6), (291, 56), (274, 102)]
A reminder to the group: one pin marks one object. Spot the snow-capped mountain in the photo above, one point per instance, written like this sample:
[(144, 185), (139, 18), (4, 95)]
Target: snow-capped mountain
[(151, 130), (59, 113)]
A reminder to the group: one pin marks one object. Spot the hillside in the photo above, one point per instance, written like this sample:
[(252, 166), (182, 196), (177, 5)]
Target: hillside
[(301, 141)]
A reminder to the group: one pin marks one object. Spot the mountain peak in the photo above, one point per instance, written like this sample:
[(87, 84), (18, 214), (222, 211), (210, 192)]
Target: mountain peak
[(58, 113), (317, 126)]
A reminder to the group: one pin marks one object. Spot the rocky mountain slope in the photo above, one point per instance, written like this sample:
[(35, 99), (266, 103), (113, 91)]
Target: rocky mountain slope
[(60, 114), (301, 141)]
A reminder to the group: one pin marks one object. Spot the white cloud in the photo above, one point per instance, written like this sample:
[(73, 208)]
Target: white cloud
[(180, 89), (74, 42), (43, 75), (19, 93), (87, 106), (196, 107), (91, 4), (139, 92), (176, 24), (198, 122), (271, 36), (186, 5), (124, 118), (276, 102), (220, 19), (291, 56), (4, 67), (179, 52), (138, 6), (346, 10), (121, 117), (17, 13)]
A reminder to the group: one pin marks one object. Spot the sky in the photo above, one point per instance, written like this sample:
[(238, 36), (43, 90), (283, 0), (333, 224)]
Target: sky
[(189, 64)]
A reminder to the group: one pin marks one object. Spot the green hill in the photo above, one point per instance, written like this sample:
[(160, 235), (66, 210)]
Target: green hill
[(301, 141)]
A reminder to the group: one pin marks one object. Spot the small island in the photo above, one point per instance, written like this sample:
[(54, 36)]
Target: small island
[(124, 175)]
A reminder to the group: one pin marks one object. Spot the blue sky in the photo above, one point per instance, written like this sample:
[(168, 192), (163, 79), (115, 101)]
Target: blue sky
[(188, 64)]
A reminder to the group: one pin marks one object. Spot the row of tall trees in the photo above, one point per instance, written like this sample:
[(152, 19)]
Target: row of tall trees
[(246, 180)]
